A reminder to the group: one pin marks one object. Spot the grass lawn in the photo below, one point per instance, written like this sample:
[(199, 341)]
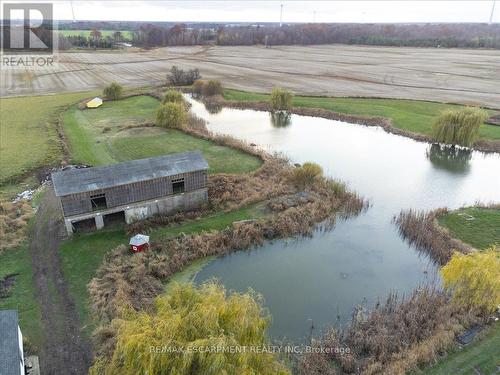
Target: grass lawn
[(107, 135), (83, 253), (480, 357), (96, 137), (481, 232), (127, 34), (22, 295), (28, 138), (412, 115)]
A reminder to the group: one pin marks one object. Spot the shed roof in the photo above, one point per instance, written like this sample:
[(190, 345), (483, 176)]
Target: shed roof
[(139, 239), (89, 179), (10, 355), (94, 103)]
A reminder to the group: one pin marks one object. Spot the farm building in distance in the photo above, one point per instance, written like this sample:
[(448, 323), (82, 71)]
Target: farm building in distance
[(131, 190)]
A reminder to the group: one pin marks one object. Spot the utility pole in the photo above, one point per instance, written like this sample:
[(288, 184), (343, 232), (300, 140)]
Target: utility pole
[(72, 11), (492, 11), (281, 14)]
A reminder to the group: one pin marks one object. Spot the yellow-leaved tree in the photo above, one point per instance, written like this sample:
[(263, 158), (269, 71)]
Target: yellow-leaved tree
[(194, 330), (474, 279)]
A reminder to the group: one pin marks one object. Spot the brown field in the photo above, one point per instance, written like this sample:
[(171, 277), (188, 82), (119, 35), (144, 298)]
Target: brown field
[(448, 75)]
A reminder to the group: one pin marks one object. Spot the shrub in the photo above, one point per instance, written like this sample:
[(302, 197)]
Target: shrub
[(171, 115), (212, 87), (338, 188), (281, 99), (198, 87), (458, 127), (207, 88), (180, 77), (173, 96), (474, 279), (196, 317), (306, 175), (113, 91)]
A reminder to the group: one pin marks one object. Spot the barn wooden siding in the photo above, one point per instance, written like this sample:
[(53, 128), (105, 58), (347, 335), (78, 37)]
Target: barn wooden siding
[(76, 204)]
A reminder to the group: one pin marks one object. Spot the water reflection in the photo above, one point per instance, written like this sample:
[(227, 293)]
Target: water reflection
[(213, 108), (451, 159), (321, 279), (280, 119)]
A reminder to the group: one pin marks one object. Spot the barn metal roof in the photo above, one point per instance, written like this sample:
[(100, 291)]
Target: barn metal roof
[(89, 179), (10, 355)]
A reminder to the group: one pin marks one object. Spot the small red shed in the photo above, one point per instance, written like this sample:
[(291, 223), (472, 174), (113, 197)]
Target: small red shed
[(138, 243)]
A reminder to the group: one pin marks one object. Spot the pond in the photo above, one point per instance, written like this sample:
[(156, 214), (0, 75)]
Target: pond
[(317, 281)]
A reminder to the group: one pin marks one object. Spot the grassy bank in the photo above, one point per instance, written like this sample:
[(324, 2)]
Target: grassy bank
[(22, 294), (412, 115), (113, 133), (482, 356), (28, 136), (479, 227), (83, 253)]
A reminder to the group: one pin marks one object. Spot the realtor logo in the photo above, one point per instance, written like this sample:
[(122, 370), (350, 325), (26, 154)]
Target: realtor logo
[(28, 27), (28, 35)]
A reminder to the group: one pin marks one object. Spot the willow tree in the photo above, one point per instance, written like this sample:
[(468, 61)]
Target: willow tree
[(171, 115), (173, 96), (113, 91), (458, 127), (474, 279), (281, 99), (193, 330)]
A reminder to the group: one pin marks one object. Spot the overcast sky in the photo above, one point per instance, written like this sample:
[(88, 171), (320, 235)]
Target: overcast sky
[(269, 11)]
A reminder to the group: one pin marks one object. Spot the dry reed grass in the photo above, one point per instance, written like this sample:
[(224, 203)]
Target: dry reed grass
[(14, 218), (421, 230), (395, 337)]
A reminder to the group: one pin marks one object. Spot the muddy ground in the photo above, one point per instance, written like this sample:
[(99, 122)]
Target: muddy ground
[(448, 75), (64, 349)]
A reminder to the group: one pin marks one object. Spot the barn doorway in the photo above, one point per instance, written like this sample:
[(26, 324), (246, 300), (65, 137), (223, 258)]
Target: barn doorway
[(84, 226), (98, 202), (116, 219), (178, 186)]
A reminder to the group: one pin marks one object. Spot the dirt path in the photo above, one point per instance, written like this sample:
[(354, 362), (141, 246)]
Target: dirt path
[(65, 350)]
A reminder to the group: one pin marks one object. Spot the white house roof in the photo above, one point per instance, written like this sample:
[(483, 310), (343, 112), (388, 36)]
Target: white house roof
[(10, 355)]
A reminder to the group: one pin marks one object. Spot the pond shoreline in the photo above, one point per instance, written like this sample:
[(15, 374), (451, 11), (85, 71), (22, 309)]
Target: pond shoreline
[(292, 211), (482, 145), (423, 230)]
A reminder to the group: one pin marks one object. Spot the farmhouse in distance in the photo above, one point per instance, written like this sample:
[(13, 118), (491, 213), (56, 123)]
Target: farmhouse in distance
[(132, 190)]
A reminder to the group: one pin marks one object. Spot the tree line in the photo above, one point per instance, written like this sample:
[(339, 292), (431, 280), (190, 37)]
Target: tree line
[(416, 35), (149, 35)]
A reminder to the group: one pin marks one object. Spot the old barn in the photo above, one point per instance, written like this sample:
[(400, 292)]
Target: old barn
[(132, 190)]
